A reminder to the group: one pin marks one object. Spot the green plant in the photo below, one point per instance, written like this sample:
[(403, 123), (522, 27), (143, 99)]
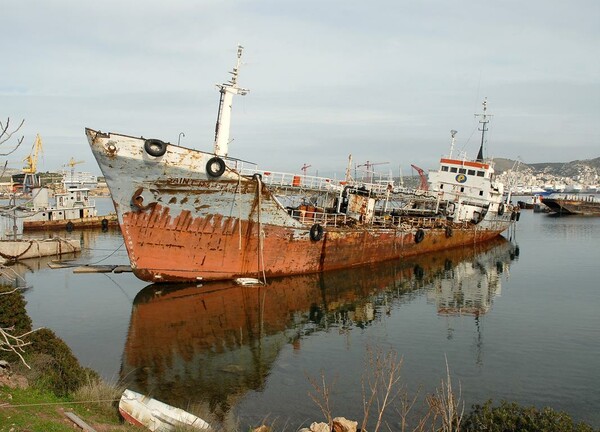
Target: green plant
[(55, 367), (509, 417)]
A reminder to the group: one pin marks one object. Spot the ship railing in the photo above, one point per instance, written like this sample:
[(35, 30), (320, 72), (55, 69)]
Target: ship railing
[(311, 216), (300, 181), (272, 178)]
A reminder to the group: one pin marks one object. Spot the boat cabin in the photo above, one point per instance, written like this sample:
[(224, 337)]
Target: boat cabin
[(72, 204), (467, 185)]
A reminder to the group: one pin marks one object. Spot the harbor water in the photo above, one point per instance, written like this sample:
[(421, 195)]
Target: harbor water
[(515, 319)]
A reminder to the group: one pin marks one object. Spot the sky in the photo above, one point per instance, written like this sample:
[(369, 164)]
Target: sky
[(383, 80)]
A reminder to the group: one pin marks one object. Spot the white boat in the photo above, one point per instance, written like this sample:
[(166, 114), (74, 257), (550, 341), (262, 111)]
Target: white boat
[(155, 415), (73, 205)]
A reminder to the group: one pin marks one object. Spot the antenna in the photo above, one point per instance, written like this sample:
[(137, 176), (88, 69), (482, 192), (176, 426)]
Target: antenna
[(484, 121)]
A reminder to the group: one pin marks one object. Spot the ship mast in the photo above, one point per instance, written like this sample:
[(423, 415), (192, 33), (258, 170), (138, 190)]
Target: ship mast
[(484, 120), (453, 133), (227, 91)]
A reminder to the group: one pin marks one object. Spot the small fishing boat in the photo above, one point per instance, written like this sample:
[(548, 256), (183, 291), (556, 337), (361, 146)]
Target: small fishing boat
[(188, 215), (155, 415)]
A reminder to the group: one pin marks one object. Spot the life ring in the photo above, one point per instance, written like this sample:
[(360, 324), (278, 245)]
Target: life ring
[(69, 227), (215, 167), (316, 232), (419, 235), (155, 147), (500, 209), (449, 232)]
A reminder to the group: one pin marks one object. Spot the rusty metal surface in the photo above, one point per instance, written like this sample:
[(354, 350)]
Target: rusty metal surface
[(585, 205), (180, 224)]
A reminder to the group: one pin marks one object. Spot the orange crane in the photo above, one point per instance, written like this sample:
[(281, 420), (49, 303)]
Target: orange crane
[(424, 184)]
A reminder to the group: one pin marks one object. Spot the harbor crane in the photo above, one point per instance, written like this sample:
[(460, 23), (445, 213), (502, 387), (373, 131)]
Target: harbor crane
[(30, 178), (72, 162), (304, 168), (424, 185), (369, 165)]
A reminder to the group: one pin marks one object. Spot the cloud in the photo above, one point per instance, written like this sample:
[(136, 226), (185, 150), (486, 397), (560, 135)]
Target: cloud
[(385, 81)]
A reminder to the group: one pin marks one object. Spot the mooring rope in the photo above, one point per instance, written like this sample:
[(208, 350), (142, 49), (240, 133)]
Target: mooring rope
[(6, 405)]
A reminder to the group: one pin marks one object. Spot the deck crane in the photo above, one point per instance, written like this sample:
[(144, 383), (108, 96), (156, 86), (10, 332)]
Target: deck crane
[(424, 185), (370, 172), (30, 178)]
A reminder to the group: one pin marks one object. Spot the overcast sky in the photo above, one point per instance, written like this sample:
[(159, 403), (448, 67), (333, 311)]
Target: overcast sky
[(384, 81)]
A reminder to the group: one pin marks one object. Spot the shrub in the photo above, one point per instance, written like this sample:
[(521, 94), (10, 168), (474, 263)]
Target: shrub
[(12, 310), (509, 417), (55, 366)]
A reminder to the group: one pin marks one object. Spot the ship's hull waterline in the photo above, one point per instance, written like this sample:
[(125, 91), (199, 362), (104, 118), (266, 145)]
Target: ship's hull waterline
[(180, 223)]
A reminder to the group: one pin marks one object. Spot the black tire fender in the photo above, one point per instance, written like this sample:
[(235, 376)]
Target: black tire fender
[(155, 147), (215, 167), (500, 209), (316, 232), (419, 235), (69, 227)]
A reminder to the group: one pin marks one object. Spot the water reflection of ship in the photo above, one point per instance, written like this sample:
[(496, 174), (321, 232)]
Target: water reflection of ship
[(202, 348), (469, 287)]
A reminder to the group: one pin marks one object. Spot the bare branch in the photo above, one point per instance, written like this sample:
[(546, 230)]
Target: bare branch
[(6, 134), (321, 397), (16, 344), (381, 384), (447, 406)]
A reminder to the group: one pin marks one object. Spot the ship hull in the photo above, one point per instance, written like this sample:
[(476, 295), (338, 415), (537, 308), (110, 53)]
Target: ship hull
[(181, 224), (586, 206)]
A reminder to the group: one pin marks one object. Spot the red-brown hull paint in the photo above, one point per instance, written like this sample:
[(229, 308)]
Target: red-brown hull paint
[(130, 419), (166, 249)]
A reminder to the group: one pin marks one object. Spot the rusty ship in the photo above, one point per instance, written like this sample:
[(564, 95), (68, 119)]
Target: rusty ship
[(217, 342), (191, 215), (587, 205)]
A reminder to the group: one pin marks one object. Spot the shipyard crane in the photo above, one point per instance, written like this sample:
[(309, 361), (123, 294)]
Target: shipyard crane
[(72, 162), (424, 184), (304, 168), (370, 172), (31, 159), (30, 179)]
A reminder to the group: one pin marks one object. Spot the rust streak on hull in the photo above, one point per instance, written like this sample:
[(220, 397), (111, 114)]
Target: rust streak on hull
[(174, 249)]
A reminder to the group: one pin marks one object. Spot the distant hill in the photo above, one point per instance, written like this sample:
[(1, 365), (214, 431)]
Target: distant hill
[(559, 169)]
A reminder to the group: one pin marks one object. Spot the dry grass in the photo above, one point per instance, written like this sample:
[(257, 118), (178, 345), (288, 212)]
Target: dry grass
[(100, 393), (382, 388)]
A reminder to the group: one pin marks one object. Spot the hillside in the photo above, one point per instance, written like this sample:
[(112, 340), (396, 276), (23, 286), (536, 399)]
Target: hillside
[(558, 169)]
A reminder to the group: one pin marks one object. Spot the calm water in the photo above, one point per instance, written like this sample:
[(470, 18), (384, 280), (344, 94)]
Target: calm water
[(515, 320)]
